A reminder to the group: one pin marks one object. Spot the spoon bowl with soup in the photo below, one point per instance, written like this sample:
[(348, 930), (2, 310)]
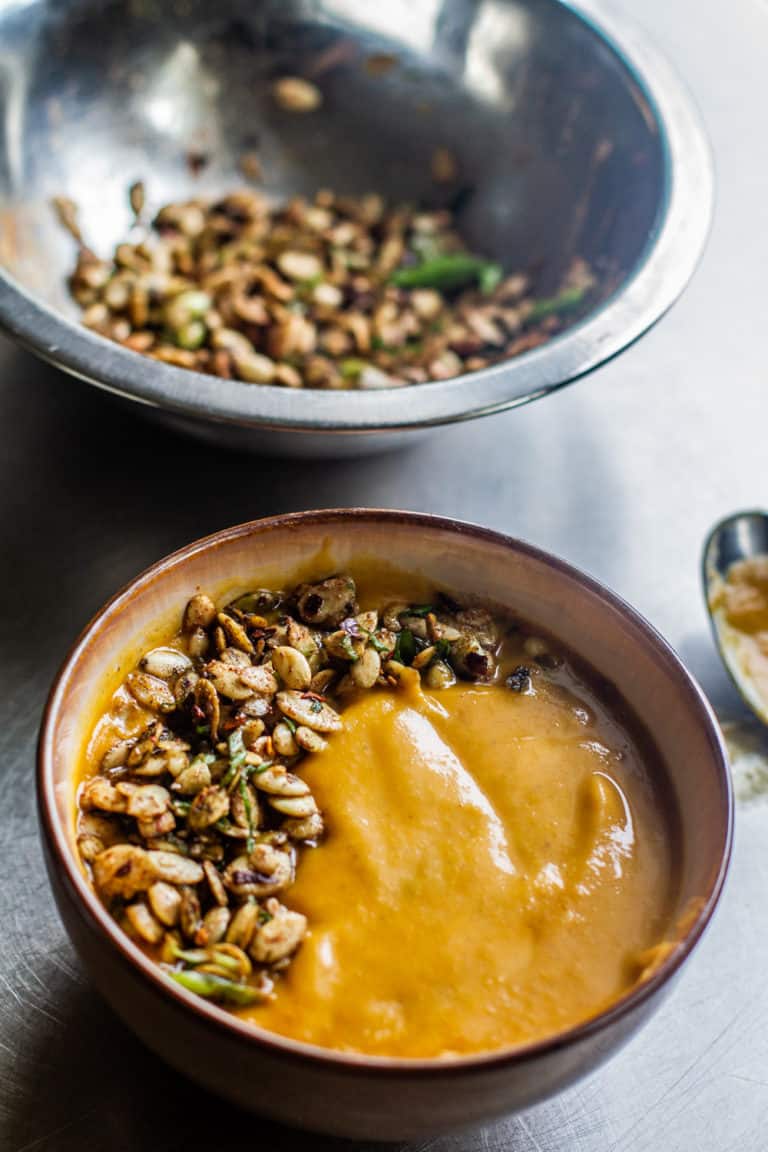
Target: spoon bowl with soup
[(735, 578)]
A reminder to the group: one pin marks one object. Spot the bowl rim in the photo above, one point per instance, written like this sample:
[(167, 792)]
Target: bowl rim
[(86, 903), (663, 269)]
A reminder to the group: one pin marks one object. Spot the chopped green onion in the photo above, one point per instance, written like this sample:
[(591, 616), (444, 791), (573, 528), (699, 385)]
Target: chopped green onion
[(237, 754), (565, 301), (196, 956), (264, 916), (379, 645), (216, 987), (256, 769), (450, 270), (226, 826), (190, 955), (244, 795), (290, 725)]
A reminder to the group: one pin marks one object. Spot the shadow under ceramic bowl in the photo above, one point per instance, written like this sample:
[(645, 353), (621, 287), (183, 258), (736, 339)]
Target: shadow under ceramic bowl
[(572, 134), (350, 1095)]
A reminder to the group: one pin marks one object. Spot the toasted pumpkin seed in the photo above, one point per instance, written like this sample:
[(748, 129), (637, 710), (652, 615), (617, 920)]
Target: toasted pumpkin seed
[(143, 923), (308, 711), (200, 612), (151, 692), (216, 923), (165, 902), (279, 936), (174, 869), (242, 925), (292, 667), (276, 781), (165, 663)]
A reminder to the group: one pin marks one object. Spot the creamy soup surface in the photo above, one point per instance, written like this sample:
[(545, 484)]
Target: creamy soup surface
[(496, 864)]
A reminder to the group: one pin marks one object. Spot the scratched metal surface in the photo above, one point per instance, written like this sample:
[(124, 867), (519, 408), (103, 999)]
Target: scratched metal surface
[(621, 474)]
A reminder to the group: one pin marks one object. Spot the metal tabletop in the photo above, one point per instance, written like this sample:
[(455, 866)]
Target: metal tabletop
[(621, 474)]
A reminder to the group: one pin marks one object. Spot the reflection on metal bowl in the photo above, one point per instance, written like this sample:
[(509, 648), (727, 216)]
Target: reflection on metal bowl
[(571, 135)]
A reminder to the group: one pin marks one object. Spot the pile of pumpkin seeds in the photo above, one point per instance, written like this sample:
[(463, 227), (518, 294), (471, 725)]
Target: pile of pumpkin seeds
[(191, 827), (334, 293)]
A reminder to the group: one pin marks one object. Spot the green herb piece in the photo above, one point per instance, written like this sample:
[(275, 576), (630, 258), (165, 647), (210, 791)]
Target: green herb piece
[(235, 742), (290, 724), (448, 271), (565, 301), (490, 277), (256, 769), (264, 916), (348, 649), (203, 758), (405, 648), (237, 754), (181, 807), (202, 729), (420, 610), (442, 650), (226, 826), (190, 336), (352, 367), (379, 645), (216, 987)]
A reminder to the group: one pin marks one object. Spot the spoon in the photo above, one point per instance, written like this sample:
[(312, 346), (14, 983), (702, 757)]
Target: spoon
[(741, 536)]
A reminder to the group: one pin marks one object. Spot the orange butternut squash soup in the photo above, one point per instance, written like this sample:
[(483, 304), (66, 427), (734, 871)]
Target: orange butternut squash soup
[(407, 828)]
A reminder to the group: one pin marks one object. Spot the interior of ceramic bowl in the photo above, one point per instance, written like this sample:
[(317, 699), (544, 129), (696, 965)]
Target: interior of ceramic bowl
[(559, 151), (596, 626)]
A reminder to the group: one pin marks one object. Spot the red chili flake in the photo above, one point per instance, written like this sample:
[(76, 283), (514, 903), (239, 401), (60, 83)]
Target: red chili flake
[(234, 722), (261, 633)]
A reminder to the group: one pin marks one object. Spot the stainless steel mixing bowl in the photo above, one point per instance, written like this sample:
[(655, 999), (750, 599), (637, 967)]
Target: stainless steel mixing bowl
[(572, 134)]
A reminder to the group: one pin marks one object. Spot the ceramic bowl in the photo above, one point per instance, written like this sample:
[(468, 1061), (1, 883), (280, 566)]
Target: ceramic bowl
[(355, 1095)]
